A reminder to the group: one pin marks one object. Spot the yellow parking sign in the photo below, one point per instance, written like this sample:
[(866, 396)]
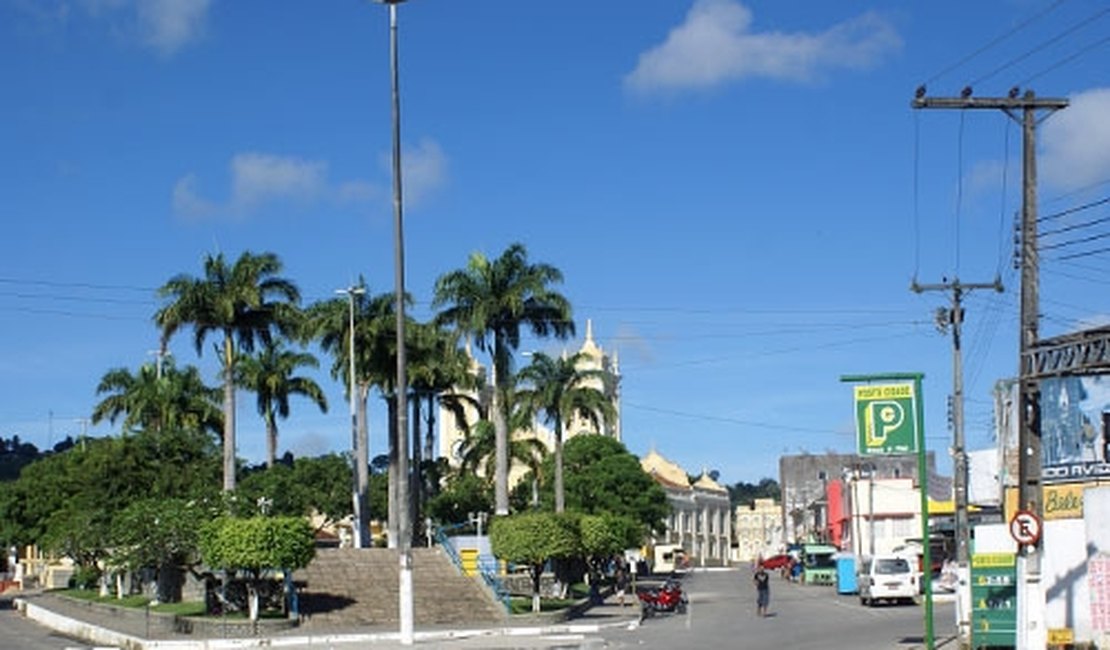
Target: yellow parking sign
[(886, 418)]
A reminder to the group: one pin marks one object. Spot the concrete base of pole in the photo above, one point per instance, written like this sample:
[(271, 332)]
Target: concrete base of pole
[(963, 605), (1031, 631), (406, 604)]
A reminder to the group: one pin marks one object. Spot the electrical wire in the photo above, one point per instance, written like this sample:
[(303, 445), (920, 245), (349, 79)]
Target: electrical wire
[(1075, 242), (1078, 208), (995, 41), (1064, 61), (1077, 226), (1021, 57)]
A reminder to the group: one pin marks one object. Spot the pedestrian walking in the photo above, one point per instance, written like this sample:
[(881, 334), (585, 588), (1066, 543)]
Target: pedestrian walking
[(762, 591), (620, 577)]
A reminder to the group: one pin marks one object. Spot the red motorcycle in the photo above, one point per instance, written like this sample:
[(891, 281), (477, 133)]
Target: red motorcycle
[(667, 598)]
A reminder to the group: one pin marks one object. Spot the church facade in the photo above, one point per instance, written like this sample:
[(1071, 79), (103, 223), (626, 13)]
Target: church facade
[(453, 434)]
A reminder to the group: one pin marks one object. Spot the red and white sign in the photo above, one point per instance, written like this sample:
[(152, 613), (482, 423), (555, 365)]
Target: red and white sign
[(1025, 527)]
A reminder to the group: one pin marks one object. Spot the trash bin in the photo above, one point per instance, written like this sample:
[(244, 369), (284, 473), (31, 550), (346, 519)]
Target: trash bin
[(846, 575)]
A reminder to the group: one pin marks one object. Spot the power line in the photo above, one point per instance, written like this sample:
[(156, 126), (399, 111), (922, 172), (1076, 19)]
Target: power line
[(995, 41), (1077, 226), (1078, 208), (1074, 242), (1065, 61), (730, 420), (1021, 57)]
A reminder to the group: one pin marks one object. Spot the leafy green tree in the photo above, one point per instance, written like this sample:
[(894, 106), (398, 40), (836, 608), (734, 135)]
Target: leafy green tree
[(67, 502), (561, 388), (531, 539), (155, 399), (741, 493), (161, 534), (271, 375), (244, 302), (603, 477), (492, 300), (606, 535), (465, 494), (256, 546), (311, 485), (14, 455)]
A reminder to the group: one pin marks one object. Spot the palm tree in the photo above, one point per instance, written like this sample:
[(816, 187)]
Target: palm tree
[(437, 367), (330, 323), (270, 374), (561, 389), (244, 302), (492, 300), (153, 401)]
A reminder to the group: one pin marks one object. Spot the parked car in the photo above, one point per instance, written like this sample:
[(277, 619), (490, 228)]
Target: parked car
[(886, 577), (776, 562)]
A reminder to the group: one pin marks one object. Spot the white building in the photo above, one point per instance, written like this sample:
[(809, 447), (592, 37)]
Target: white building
[(758, 530), (701, 514)]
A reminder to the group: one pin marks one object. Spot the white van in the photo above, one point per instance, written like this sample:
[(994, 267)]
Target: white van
[(886, 577)]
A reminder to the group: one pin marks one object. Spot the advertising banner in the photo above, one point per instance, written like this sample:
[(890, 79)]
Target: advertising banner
[(886, 418), (1074, 436)]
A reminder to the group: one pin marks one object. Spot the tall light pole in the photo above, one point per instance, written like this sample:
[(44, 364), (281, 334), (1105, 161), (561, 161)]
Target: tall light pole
[(360, 444), (404, 542)]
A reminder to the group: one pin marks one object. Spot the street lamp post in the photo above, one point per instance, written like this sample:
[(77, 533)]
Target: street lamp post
[(360, 445), (404, 541)]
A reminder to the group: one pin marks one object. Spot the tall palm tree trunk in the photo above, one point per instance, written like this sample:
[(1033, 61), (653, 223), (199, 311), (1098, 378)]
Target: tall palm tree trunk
[(271, 438), (500, 429), (229, 413), (362, 465), (432, 483), (560, 498), (417, 482), (394, 511)]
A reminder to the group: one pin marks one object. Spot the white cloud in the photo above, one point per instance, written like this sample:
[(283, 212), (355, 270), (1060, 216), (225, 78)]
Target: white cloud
[(186, 202), (167, 25), (715, 45), (423, 170), (263, 179), (163, 25), (1076, 142), (257, 178)]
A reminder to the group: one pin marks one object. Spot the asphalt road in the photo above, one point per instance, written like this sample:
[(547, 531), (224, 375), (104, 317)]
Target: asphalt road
[(722, 614), (17, 633)]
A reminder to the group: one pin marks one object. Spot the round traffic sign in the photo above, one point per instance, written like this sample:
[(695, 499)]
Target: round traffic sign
[(1025, 527)]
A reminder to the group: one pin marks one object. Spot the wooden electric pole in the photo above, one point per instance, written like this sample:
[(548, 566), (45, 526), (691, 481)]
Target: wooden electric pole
[(953, 318), (1024, 110)]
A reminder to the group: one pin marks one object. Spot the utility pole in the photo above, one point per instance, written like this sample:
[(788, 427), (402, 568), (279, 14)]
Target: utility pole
[(1031, 631), (404, 510), (954, 318)]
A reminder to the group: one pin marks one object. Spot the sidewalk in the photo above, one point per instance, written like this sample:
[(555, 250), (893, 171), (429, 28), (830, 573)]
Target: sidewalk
[(539, 631)]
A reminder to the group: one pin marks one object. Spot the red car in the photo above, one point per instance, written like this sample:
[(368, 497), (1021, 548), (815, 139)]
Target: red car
[(775, 562)]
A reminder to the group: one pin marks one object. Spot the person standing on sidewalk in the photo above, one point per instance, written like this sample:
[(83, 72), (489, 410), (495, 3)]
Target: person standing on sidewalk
[(762, 591)]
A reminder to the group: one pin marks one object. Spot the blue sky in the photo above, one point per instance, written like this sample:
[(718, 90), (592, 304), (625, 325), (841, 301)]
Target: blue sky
[(738, 193)]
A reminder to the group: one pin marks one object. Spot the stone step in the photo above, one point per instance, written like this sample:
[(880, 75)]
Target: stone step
[(360, 587)]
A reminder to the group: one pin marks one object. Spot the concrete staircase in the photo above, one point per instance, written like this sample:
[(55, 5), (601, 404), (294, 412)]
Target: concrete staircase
[(360, 587)]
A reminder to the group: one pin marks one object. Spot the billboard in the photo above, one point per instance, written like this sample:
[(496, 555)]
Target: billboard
[(1075, 418), (886, 418)]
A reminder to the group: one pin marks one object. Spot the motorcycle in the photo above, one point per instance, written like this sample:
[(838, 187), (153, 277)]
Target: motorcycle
[(667, 598)]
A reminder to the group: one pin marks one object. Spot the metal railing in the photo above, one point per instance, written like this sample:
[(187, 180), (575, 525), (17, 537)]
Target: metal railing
[(487, 568)]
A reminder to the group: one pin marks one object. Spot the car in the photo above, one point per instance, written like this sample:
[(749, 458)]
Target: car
[(886, 577), (776, 562)]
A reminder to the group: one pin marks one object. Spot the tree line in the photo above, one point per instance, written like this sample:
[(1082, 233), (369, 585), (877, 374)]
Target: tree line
[(178, 435)]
